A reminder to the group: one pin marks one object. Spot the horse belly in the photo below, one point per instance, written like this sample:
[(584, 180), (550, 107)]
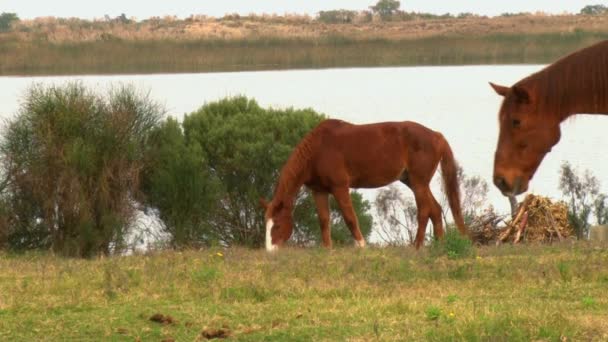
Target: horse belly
[(376, 174)]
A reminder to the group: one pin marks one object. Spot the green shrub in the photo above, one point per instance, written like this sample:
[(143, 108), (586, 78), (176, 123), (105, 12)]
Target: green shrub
[(454, 245), (433, 313), (73, 161)]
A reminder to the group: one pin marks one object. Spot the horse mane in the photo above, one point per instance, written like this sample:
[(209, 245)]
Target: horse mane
[(575, 84), (291, 173)]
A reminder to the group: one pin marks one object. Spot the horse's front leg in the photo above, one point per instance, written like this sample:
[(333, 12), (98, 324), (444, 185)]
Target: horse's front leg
[(342, 196), (322, 204)]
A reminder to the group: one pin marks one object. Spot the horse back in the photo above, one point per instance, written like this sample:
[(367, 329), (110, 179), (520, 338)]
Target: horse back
[(369, 155)]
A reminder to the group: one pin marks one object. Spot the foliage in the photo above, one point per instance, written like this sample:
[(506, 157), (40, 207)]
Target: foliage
[(6, 19), (433, 313), (337, 16), (600, 209), (386, 8), (179, 186), (473, 195), (582, 193), (454, 245), (397, 216), (594, 10), (72, 160)]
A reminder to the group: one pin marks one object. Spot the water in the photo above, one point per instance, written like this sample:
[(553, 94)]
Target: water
[(456, 101)]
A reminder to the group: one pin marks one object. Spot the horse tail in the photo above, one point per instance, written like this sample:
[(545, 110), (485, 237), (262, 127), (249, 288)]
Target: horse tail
[(449, 173)]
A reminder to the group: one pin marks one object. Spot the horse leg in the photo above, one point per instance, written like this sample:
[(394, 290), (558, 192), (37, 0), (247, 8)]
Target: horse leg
[(322, 204), (342, 196), (424, 206), (436, 217)]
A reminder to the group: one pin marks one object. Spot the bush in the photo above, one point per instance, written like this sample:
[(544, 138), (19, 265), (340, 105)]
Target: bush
[(594, 10), (179, 185), (454, 245), (337, 16), (6, 20), (583, 196), (73, 161)]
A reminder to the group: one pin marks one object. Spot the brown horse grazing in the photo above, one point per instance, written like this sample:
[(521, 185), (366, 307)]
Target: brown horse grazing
[(336, 156), (534, 107)]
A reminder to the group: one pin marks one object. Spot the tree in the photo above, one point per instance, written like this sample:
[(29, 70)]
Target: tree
[(244, 147), (582, 192), (600, 209), (473, 194), (73, 161), (397, 216), (6, 20), (386, 8), (594, 10), (179, 186)]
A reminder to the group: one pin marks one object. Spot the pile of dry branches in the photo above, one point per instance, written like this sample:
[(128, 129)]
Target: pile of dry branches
[(537, 220)]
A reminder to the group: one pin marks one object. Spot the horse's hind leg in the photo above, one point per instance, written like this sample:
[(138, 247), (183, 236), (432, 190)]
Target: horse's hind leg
[(322, 204), (342, 196), (427, 208), (436, 217)]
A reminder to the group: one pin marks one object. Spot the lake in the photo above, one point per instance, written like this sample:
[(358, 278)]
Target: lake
[(456, 101)]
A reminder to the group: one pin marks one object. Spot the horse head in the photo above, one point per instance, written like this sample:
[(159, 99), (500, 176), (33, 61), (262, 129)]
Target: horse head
[(279, 223), (526, 136)]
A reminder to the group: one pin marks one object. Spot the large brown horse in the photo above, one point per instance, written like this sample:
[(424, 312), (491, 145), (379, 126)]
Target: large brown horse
[(336, 156), (534, 107)]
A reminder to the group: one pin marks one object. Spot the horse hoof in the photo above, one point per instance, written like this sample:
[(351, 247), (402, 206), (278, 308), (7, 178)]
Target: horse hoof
[(360, 243)]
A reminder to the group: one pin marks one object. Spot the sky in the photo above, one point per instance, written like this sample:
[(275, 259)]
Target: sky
[(142, 9)]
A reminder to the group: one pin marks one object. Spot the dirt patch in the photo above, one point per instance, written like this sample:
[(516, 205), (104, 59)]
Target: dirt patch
[(122, 331), (163, 319), (215, 333)]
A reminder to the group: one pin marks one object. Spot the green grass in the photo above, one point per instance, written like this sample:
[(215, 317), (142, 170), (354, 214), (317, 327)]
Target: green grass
[(508, 293), (117, 56)]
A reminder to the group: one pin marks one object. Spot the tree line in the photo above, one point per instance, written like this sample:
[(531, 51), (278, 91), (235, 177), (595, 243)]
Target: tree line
[(385, 10)]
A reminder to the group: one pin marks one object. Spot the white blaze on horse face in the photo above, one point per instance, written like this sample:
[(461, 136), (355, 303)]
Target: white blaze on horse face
[(269, 246)]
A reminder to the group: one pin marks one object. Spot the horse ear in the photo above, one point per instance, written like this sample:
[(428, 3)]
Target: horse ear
[(521, 94), (263, 203), (500, 90)]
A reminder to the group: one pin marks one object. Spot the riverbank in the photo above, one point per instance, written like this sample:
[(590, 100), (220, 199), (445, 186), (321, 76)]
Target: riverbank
[(72, 46)]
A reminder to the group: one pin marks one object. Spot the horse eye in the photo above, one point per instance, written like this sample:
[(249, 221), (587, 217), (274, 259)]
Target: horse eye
[(516, 123)]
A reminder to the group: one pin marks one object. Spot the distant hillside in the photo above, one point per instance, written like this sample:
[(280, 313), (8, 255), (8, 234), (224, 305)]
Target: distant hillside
[(233, 43)]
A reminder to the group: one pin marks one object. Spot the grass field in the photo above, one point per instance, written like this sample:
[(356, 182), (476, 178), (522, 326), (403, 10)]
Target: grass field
[(507, 293)]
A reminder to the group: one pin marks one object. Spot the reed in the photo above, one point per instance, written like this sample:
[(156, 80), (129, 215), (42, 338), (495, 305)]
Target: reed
[(120, 56)]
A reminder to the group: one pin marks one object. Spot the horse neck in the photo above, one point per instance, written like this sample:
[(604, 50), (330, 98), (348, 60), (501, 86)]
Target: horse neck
[(590, 107), (293, 175), (571, 88)]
